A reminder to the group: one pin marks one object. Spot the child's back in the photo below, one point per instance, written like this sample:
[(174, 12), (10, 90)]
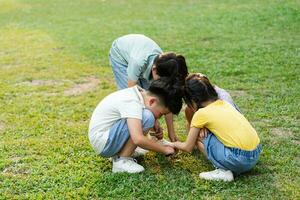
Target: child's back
[(227, 124), (115, 106), (121, 104)]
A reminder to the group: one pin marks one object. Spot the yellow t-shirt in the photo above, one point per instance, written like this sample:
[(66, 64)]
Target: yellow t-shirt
[(227, 124)]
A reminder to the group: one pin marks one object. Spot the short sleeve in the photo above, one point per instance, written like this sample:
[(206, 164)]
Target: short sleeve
[(199, 120), (135, 68), (132, 109)]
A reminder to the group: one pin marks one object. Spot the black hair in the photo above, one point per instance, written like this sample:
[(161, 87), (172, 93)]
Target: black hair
[(170, 93), (171, 65), (198, 89)]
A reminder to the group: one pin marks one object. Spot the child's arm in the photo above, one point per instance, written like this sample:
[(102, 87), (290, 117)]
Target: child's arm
[(138, 138), (170, 126), (190, 142), (131, 83)]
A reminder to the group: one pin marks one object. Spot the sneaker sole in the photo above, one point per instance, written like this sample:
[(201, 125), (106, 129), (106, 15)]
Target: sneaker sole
[(212, 179), (123, 171)]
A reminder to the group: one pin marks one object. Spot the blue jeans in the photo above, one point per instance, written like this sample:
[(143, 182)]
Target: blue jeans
[(119, 133), (120, 73), (229, 158)]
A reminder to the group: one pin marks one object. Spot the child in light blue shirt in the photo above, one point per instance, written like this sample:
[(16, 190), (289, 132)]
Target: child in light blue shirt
[(138, 60)]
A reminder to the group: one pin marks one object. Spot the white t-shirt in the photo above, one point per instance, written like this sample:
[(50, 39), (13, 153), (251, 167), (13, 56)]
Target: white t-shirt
[(126, 103)]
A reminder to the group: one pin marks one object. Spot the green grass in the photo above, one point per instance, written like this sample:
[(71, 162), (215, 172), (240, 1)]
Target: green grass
[(49, 48)]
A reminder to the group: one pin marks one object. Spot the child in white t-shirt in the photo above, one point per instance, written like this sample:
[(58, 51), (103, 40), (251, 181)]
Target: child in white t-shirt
[(121, 119)]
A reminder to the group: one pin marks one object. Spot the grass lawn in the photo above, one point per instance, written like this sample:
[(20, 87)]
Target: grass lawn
[(54, 69)]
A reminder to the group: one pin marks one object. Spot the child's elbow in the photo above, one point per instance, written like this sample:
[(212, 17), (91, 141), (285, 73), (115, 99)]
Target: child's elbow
[(137, 141)]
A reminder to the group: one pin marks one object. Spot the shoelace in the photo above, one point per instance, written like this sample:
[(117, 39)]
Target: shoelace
[(132, 159), (218, 171)]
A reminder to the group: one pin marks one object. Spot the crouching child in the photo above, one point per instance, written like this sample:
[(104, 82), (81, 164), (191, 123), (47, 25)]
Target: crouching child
[(231, 143), (120, 121)]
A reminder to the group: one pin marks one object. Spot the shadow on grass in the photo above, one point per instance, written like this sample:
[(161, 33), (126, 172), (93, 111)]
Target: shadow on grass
[(178, 178), (164, 176)]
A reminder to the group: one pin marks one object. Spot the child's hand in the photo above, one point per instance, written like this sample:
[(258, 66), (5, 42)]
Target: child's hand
[(158, 131), (159, 134), (175, 148), (171, 144), (169, 150), (173, 138), (203, 134)]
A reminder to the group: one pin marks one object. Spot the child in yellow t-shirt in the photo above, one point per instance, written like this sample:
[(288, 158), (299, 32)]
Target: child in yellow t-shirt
[(231, 144)]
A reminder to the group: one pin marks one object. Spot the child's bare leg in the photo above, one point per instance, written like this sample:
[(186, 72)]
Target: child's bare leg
[(127, 149), (189, 113), (200, 146), (124, 162)]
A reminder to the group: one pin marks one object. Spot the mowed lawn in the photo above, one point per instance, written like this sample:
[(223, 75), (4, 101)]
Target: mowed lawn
[(54, 70)]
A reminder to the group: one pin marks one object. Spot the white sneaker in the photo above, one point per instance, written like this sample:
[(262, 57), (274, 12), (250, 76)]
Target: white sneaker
[(217, 174), (126, 164), (139, 152)]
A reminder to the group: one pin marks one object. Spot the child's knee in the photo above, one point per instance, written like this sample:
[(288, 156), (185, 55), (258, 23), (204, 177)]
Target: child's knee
[(148, 119)]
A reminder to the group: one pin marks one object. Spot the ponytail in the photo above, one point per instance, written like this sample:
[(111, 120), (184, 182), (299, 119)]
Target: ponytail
[(171, 65)]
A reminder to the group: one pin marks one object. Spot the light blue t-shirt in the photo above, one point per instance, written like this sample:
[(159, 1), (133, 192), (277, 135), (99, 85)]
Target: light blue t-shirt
[(137, 52)]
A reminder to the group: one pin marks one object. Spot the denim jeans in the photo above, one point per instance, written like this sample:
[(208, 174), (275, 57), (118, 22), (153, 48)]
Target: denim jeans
[(119, 133), (229, 158), (121, 78)]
